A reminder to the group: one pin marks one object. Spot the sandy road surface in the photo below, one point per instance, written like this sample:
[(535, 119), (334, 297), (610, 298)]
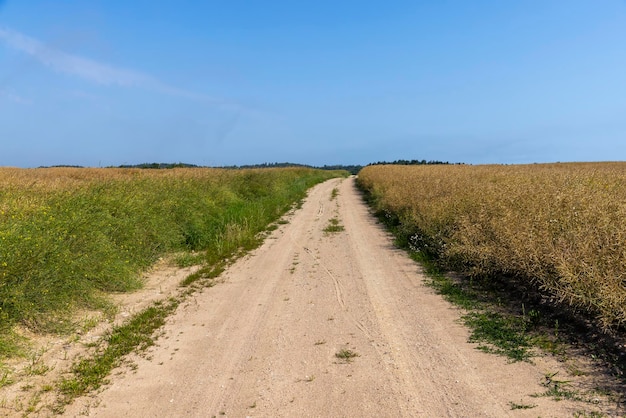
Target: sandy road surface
[(263, 342)]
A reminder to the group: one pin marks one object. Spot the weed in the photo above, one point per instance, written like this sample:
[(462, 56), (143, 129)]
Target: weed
[(503, 334), (91, 373), (36, 367), (451, 291), (549, 344), (557, 389), (88, 324), (333, 226), (188, 259), (346, 355), (588, 414), (11, 344), (292, 270), (574, 370), (33, 402), (320, 342), (497, 333), (514, 406), (6, 378), (205, 273), (334, 193)]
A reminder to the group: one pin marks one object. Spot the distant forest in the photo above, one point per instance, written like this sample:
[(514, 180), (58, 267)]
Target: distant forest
[(411, 162), (352, 169)]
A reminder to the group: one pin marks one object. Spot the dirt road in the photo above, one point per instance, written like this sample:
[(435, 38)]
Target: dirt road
[(263, 343)]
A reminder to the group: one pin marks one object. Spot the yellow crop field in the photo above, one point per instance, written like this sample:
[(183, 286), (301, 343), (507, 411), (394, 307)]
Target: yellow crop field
[(560, 226)]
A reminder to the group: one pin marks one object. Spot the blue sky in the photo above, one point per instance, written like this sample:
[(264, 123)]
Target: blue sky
[(108, 82)]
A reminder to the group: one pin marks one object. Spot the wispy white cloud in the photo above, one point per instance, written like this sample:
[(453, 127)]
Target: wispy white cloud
[(95, 71), (14, 97)]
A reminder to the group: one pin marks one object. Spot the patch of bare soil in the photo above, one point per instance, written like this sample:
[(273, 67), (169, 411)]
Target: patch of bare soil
[(317, 323), (51, 356)]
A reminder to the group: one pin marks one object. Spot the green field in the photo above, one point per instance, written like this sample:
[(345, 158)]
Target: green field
[(71, 236)]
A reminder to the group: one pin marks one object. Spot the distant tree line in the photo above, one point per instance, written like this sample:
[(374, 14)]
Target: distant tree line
[(410, 162), (265, 165), (61, 166), (159, 165), (351, 168)]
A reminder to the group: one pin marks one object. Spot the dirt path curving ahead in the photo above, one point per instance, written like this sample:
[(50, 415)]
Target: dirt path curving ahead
[(264, 342)]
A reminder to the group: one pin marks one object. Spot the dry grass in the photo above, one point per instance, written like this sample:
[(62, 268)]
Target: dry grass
[(560, 226)]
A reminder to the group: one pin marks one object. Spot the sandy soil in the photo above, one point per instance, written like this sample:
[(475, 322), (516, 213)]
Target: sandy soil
[(55, 354), (263, 343)]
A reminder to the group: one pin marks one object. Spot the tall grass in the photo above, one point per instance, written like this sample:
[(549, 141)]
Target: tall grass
[(558, 226), (69, 236)]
